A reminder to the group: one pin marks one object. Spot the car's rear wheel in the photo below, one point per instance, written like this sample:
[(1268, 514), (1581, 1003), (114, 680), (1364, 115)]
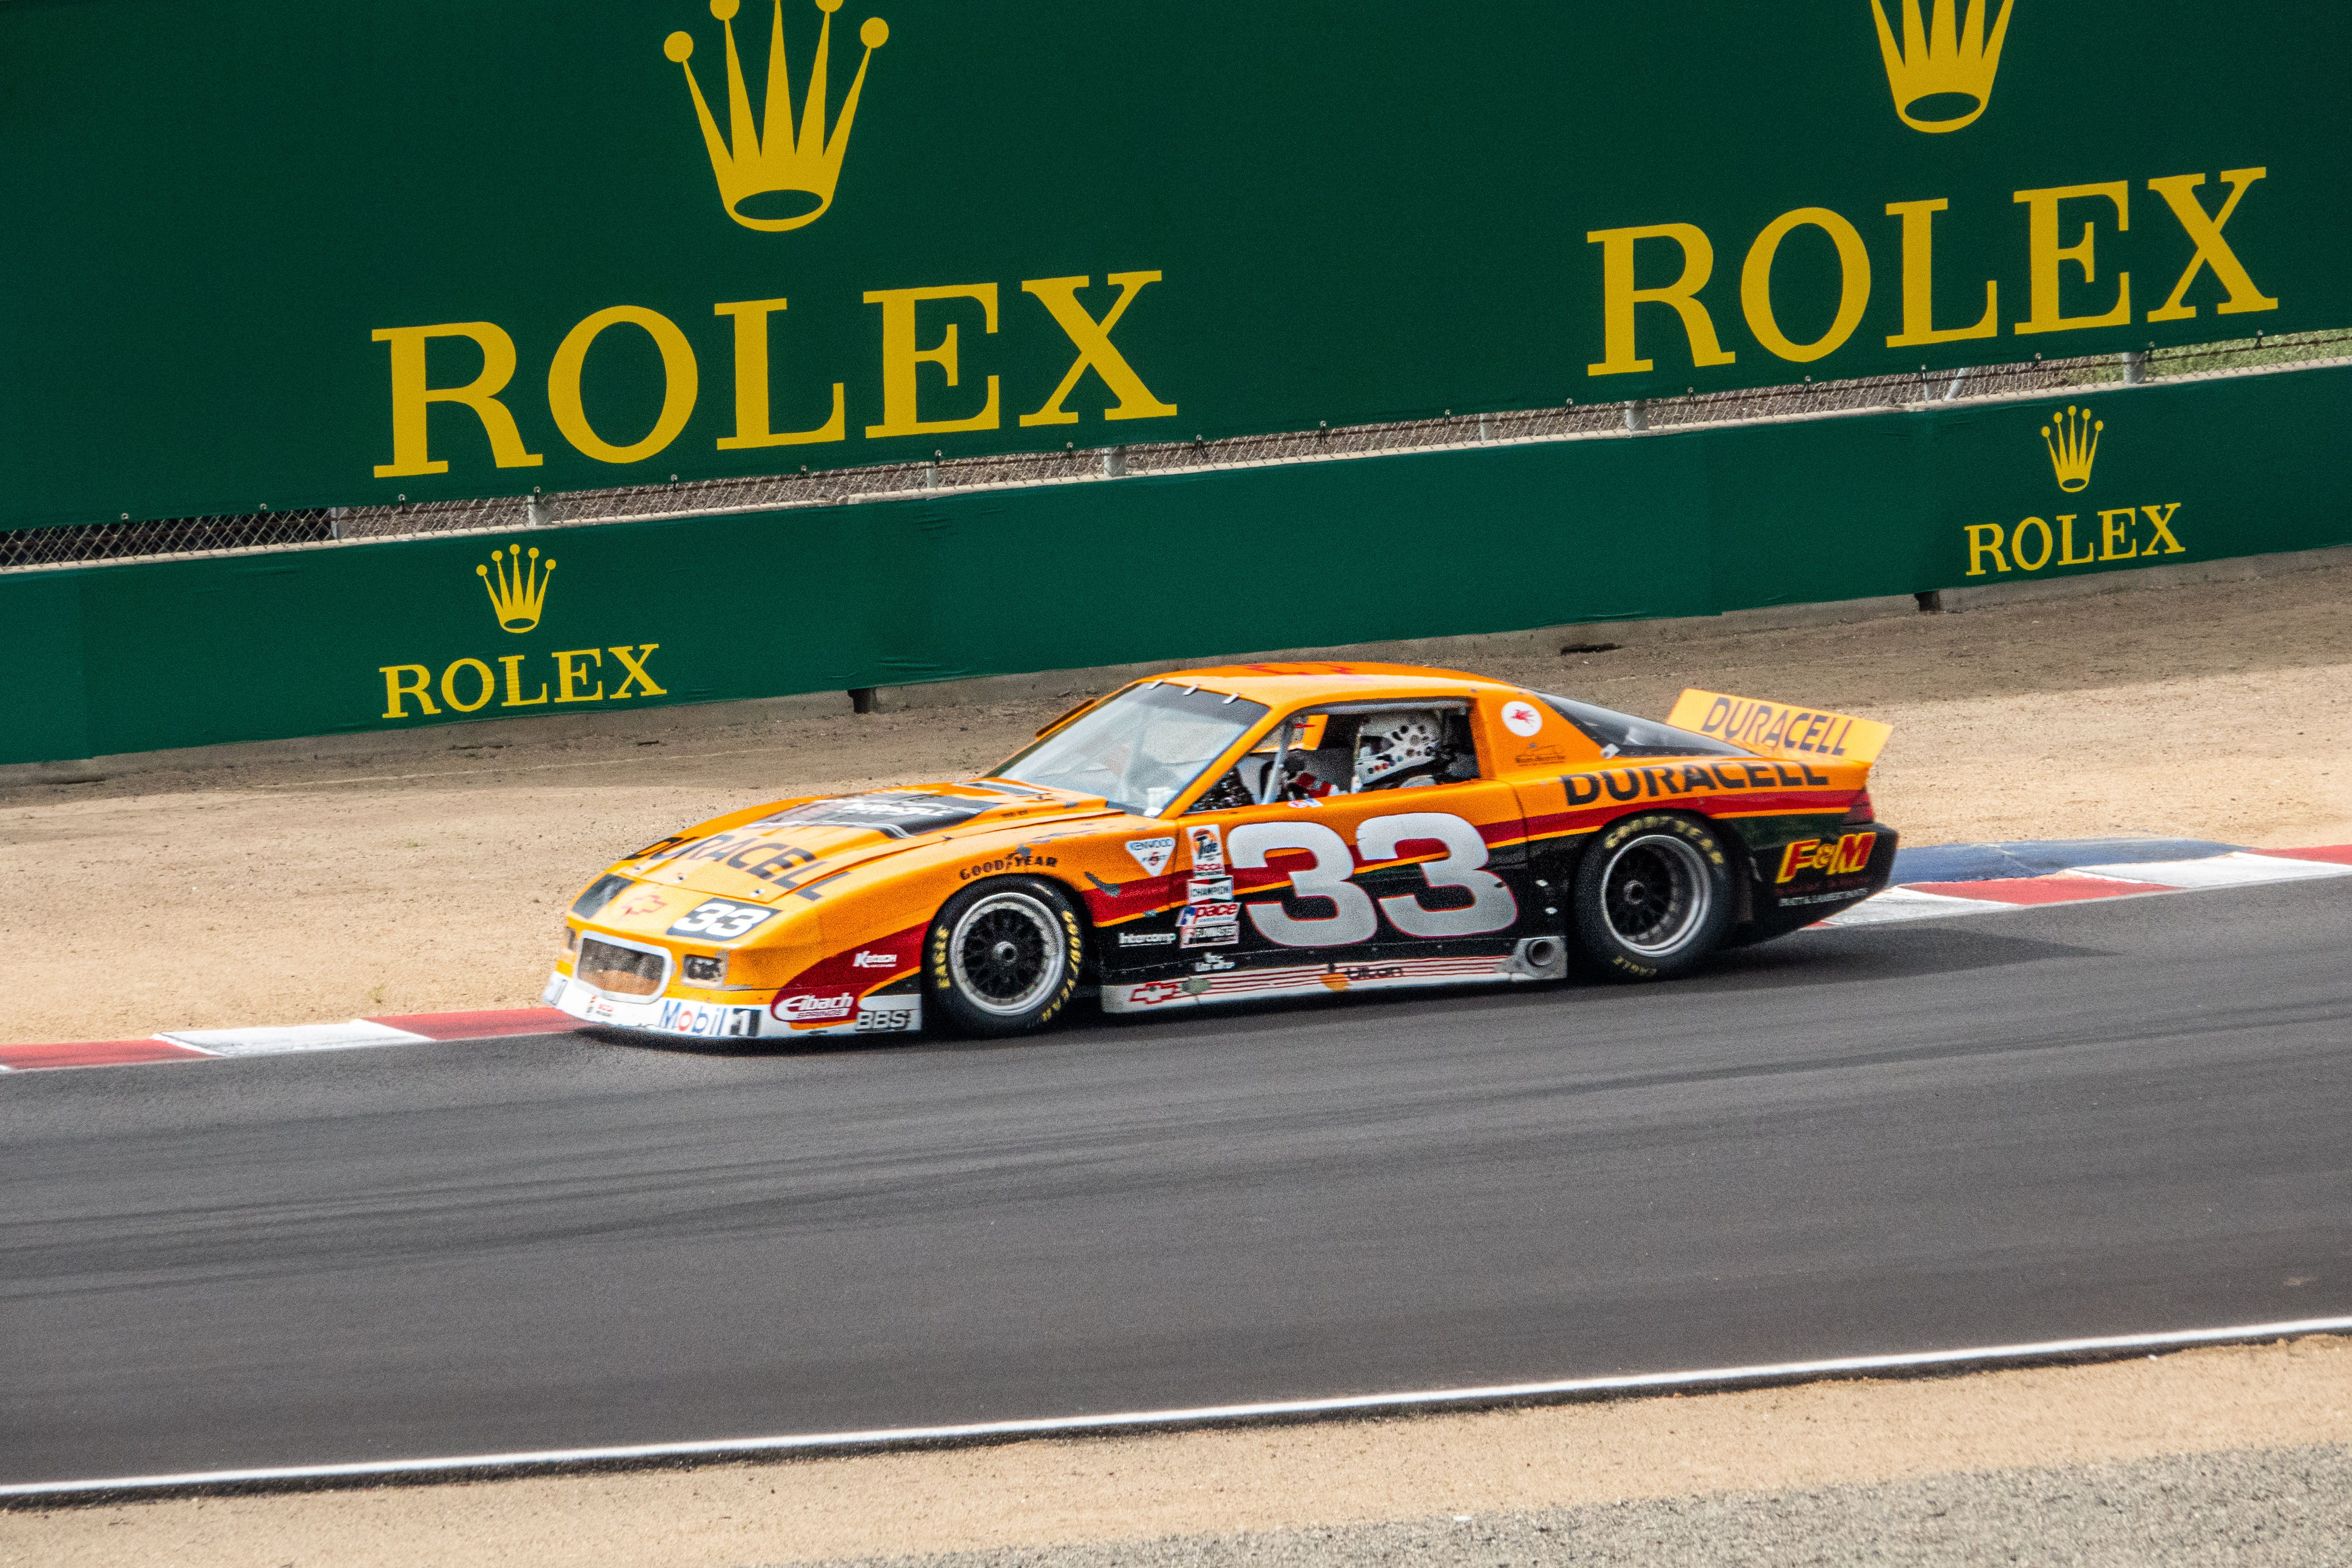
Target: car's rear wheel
[(1003, 957), (1652, 897)]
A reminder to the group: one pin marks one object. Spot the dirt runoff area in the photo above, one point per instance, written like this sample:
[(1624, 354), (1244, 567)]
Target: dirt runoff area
[(433, 874), (1150, 1487)]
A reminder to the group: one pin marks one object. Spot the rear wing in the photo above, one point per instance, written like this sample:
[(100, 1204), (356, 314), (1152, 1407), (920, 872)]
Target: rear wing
[(1779, 729)]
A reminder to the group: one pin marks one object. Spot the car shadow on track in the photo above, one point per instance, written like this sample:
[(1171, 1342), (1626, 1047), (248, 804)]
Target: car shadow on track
[(690, 1045), (1807, 959), (1893, 953)]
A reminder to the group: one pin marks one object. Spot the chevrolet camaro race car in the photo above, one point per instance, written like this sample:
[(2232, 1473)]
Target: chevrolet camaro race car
[(1239, 833)]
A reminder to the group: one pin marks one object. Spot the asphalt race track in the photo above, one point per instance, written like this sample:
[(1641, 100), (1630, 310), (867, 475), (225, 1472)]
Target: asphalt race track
[(2097, 1119)]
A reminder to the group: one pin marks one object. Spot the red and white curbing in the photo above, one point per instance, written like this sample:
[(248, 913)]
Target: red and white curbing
[(2236, 869), (1905, 901), (208, 1045)]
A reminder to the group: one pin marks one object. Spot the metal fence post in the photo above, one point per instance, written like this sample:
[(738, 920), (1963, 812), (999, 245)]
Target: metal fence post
[(1637, 415)]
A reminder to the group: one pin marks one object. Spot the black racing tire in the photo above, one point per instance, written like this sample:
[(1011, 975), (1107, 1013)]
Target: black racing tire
[(1003, 956), (1652, 897)]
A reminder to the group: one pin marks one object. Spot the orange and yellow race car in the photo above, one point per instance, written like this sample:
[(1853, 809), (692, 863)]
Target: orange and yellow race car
[(1251, 831)]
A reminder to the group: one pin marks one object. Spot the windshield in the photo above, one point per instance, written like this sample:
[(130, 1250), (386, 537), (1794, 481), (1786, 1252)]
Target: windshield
[(1141, 750), (1622, 735)]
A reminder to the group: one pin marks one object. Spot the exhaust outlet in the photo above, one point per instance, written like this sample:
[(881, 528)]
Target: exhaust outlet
[(1540, 958)]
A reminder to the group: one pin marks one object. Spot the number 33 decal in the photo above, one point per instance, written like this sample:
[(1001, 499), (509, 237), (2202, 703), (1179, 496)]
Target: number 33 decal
[(1352, 920), (720, 921)]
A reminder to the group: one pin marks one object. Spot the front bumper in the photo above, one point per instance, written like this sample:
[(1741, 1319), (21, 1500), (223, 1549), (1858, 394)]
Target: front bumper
[(754, 1017)]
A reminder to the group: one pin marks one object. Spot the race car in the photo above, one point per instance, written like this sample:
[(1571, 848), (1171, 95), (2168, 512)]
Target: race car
[(1241, 833)]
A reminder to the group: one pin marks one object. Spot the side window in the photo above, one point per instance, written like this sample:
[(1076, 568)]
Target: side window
[(1352, 751), (1623, 735), (1410, 748)]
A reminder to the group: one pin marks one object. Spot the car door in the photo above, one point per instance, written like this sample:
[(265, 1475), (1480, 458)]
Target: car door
[(1403, 882)]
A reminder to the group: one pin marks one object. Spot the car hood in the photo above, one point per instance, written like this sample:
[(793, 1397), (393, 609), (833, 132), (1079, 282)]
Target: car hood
[(794, 845)]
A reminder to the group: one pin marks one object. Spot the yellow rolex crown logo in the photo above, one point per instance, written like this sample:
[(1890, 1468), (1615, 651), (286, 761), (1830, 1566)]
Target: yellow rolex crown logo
[(764, 163), (517, 590), (2073, 439), (1942, 76)]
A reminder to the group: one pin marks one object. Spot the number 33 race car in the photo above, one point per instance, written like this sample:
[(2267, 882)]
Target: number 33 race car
[(1225, 834)]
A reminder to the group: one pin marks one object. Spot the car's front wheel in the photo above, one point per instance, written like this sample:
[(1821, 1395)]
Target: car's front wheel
[(1003, 956), (1652, 897)]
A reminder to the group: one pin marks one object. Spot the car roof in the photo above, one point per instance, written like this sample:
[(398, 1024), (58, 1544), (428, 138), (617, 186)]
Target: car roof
[(1286, 683)]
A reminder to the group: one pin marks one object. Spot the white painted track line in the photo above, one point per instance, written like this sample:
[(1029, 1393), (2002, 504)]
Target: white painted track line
[(1901, 903), (280, 1040), (2235, 870), (992, 1431)]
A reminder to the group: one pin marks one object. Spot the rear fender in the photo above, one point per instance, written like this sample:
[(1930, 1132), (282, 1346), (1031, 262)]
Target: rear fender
[(1557, 860)]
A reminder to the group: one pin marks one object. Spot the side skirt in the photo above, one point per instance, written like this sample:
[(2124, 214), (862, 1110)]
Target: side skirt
[(1536, 958)]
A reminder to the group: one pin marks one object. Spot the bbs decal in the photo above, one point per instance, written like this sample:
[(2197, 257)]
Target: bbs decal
[(1355, 915), (719, 920)]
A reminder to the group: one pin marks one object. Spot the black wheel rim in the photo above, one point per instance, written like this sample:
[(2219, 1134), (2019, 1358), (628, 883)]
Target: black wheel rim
[(1656, 894), (1006, 954)]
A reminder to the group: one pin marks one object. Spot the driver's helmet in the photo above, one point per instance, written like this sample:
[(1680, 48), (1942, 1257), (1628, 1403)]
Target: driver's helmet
[(1390, 744)]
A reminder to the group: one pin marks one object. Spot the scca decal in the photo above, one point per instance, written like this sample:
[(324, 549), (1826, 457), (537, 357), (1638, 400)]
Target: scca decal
[(1686, 778), (1838, 857)]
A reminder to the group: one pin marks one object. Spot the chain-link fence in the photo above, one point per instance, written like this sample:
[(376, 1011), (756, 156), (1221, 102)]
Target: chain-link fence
[(32, 549)]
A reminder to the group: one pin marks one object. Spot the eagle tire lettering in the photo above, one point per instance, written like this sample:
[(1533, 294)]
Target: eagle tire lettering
[(1653, 894), (939, 967)]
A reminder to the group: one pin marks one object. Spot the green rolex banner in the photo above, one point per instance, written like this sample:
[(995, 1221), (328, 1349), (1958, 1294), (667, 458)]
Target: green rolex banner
[(149, 655), (263, 254)]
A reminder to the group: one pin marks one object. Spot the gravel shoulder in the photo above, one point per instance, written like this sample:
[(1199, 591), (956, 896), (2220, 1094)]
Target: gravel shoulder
[(2162, 1459), (432, 875), (2275, 1507)]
